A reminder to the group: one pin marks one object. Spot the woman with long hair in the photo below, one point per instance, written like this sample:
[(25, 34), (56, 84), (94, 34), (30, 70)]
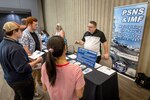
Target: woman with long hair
[(63, 80), (60, 32)]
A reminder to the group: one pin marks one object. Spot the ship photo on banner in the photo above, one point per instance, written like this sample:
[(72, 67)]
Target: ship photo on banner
[(128, 27)]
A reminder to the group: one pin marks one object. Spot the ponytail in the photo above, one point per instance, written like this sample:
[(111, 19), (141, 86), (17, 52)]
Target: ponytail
[(51, 68), (55, 48)]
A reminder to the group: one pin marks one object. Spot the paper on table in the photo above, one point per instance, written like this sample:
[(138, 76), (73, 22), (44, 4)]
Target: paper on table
[(45, 50), (72, 61), (106, 70), (77, 63), (87, 70), (97, 65), (36, 54), (73, 56), (82, 66)]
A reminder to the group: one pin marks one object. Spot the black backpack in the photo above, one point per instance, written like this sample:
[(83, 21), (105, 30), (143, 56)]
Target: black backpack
[(142, 80)]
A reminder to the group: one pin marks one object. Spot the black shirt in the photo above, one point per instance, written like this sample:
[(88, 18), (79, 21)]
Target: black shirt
[(36, 39), (97, 33), (92, 41)]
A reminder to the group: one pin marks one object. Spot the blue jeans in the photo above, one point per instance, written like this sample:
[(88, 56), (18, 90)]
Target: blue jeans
[(24, 90)]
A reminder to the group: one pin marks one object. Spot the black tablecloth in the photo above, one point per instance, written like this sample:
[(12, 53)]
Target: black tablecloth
[(100, 86)]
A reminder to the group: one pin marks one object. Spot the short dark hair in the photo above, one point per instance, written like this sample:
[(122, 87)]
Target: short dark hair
[(94, 23)]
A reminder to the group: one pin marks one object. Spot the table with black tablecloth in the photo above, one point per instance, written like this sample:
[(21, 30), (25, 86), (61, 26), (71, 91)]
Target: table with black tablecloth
[(100, 86)]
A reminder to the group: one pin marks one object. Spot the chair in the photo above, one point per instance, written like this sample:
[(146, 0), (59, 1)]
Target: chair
[(71, 49)]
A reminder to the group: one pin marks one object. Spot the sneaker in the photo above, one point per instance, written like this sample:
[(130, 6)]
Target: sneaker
[(37, 96)]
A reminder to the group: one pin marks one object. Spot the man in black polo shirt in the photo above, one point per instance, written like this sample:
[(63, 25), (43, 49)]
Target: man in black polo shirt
[(15, 63), (92, 40)]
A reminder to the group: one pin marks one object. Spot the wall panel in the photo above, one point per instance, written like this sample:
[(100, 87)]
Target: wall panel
[(33, 5)]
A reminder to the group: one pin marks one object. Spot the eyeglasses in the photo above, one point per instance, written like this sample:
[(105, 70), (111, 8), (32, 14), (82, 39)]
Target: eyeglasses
[(90, 26)]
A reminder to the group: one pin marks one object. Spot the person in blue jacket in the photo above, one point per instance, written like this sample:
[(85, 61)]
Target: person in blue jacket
[(15, 62), (45, 36)]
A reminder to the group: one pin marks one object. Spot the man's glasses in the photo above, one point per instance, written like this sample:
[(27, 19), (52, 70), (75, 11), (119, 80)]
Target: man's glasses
[(90, 26)]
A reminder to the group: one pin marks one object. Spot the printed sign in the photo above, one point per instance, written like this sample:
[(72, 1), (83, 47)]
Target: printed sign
[(86, 57), (128, 26)]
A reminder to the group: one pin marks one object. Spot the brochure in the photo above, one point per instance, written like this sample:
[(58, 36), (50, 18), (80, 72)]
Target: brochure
[(36, 54), (106, 70), (87, 70)]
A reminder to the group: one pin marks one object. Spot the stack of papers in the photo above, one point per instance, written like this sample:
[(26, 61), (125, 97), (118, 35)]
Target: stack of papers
[(36, 54), (106, 70), (73, 56)]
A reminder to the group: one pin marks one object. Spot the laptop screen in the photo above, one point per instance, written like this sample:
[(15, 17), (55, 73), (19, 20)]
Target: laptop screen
[(86, 57)]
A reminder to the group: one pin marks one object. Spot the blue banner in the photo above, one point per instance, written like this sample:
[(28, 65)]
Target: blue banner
[(128, 27)]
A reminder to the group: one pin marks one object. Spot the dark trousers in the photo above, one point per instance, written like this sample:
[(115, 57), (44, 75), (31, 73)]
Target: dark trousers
[(98, 59), (24, 90)]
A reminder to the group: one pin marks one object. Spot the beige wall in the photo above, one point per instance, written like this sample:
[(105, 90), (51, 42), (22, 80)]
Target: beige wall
[(74, 16)]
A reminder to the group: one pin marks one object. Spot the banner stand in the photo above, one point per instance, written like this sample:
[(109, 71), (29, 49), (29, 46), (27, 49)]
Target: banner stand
[(128, 27)]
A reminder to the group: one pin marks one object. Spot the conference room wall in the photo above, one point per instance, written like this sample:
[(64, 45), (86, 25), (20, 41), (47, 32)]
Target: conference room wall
[(74, 16), (21, 5)]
